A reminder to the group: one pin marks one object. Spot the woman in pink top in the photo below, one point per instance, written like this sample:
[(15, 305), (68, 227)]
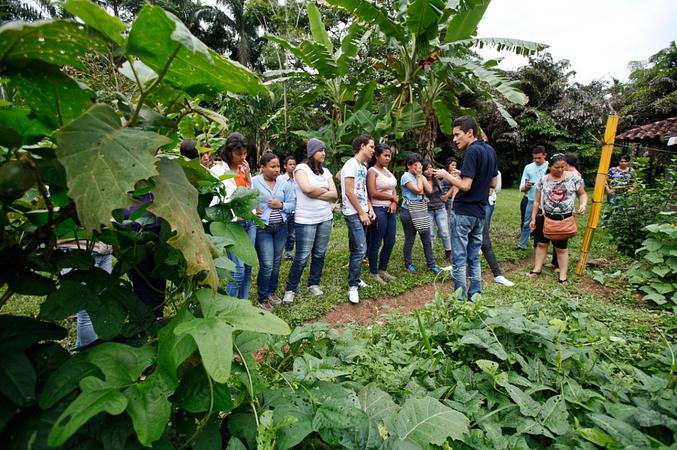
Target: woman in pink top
[(381, 186)]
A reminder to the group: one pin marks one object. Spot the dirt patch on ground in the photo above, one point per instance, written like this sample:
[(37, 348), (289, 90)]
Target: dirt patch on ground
[(377, 310)]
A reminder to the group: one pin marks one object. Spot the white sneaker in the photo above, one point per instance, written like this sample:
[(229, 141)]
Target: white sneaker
[(288, 298), (354, 295), (504, 281), (363, 284), (448, 268), (315, 290)]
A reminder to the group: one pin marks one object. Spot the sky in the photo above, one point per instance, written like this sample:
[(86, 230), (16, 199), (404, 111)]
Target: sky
[(598, 37)]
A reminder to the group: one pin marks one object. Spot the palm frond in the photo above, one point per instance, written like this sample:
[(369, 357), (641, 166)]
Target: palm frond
[(525, 48), (464, 23), (370, 14)]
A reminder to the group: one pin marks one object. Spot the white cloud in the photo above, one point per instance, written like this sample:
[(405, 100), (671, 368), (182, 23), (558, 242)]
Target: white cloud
[(598, 37)]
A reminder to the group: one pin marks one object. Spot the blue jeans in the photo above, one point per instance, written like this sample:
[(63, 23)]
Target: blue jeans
[(84, 329), (384, 230), (311, 240), (466, 240), (291, 234), (270, 243), (488, 213), (526, 231), (242, 277), (439, 218), (357, 243)]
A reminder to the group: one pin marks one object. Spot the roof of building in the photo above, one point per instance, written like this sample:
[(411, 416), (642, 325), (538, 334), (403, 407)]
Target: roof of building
[(662, 128)]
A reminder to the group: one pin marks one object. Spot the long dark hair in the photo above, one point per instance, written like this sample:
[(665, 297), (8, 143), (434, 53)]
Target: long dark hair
[(234, 141), (315, 165)]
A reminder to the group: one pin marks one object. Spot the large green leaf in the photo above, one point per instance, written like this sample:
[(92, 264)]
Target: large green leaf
[(57, 42), (371, 14), (165, 45), (17, 333), (422, 14), (121, 364), (174, 349), (378, 404), (234, 236), (317, 57), (96, 397), (214, 340), (20, 128), (108, 317), (243, 316), (17, 377), (409, 117), (93, 16), (444, 117), (103, 162), (149, 407), (464, 23), (350, 45), (194, 394), (527, 405), (317, 29), (65, 379), (482, 338), (54, 97), (625, 434), (427, 421), (175, 200)]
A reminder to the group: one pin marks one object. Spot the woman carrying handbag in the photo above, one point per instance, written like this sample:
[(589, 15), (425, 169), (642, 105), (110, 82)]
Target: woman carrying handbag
[(554, 220)]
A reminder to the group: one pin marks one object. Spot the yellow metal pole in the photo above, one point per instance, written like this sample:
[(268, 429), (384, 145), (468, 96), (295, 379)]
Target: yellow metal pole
[(598, 194)]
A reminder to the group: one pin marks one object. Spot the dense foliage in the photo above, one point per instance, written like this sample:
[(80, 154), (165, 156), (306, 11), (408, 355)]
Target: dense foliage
[(656, 272), (640, 206), (519, 376)]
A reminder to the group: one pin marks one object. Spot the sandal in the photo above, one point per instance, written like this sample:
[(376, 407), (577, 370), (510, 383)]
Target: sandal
[(533, 273), (562, 281)]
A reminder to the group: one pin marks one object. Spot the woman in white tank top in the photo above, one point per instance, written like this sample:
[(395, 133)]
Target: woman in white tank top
[(315, 194)]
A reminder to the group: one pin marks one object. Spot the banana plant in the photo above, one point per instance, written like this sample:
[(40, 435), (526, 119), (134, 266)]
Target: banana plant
[(324, 67), (433, 42)]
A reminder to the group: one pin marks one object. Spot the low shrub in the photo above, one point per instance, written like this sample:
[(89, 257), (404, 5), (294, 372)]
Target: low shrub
[(655, 273)]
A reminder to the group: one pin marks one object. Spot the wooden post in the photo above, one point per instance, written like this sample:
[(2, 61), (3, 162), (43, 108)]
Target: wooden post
[(598, 194)]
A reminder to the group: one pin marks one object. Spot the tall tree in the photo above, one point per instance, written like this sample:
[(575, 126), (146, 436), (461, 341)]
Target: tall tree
[(651, 93), (432, 62)]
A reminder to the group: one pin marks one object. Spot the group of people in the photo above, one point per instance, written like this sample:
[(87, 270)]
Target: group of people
[(297, 210)]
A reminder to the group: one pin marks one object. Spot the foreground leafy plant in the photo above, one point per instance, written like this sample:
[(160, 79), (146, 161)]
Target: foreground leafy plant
[(656, 272)]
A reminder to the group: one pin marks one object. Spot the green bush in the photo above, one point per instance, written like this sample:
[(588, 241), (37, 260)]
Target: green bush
[(656, 272), (640, 206)]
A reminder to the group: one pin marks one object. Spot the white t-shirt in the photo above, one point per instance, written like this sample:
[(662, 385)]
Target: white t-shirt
[(354, 169), (310, 210)]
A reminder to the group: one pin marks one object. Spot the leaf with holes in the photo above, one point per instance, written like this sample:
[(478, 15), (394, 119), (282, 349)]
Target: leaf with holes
[(103, 162)]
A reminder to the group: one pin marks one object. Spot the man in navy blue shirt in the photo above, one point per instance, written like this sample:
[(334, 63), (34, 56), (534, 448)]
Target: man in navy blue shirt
[(477, 175)]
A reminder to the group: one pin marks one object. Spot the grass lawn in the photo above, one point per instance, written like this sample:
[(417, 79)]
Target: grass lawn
[(612, 304)]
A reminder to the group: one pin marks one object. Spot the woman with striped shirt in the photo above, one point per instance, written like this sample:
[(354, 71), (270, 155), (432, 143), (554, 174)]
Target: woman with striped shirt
[(275, 203)]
